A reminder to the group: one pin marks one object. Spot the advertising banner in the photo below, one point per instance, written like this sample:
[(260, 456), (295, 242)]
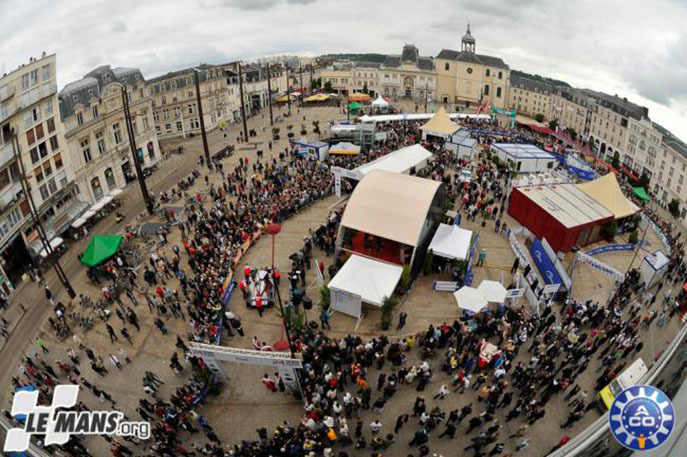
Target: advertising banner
[(544, 264)]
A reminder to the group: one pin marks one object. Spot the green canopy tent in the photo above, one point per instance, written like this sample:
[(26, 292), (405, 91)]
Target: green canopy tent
[(101, 248), (641, 194), (354, 106)]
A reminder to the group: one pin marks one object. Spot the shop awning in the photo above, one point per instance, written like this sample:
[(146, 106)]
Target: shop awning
[(451, 242), (79, 222), (54, 244), (101, 204), (641, 194), (101, 248), (354, 105)]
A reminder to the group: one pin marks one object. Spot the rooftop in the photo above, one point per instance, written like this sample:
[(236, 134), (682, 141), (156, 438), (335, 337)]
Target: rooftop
[(479, 59), (622, 106)]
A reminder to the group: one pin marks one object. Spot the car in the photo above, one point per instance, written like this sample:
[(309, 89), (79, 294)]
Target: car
[(464, 175)]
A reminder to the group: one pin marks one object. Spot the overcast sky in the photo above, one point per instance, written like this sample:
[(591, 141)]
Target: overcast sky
[(632, 48)]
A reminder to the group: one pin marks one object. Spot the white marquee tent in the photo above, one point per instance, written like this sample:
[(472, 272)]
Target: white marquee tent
[(380, 102), (419, 117), (493, 291), (451, 242), (470, 299), (362, 279), (400, 161)]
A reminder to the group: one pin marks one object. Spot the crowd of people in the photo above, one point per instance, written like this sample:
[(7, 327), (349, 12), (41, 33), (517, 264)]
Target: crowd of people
[(347, 381)]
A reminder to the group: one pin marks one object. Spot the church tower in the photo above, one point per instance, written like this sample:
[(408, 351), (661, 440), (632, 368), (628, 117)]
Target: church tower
[(468, 42)]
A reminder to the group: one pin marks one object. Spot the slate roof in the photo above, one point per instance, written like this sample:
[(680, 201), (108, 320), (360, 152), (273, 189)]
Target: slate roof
[(530, 84), (92, 85), (622, 106), (410, 54), (479, 59)]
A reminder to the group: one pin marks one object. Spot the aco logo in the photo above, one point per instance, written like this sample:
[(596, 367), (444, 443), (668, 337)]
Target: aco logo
[(641, 418)]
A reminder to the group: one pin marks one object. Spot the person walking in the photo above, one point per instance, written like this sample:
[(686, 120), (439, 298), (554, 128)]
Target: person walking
[(523, 444), (402, 320), (324, 319), (269, 383), (41, 344), (481, 257), (115, 361)]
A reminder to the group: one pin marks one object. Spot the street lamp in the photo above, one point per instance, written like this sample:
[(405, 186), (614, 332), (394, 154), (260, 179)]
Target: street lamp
[(202, 120), (272, 230)]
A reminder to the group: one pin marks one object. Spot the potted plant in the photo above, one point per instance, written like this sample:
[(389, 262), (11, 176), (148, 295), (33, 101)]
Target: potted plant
[(303, 130), (275, 133), (325, 297), (405, 279), (429, 261), (290, 133)]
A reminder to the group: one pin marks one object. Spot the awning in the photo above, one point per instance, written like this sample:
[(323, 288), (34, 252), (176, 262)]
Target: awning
[(371, 279), (101, 204), (451, 242), (493, 291), (470, 299), (358, 97), (354, 105), (380, 102), (87, 215), (116, 192), (54, 243), (641, 193), (101, 248), (606, 191), (344, 148), (79, 222)]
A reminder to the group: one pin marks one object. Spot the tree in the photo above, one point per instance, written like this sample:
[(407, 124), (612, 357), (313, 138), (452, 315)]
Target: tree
[(405, 278), (429, 261), (365, 88), (539, 117), (592, 145), (316, 83), (573, 134), (388, 305), (328, 86), (325, 297), (611, 230), (615, 161), (634, 237), (553, 123), (674, 207), (644, 180)]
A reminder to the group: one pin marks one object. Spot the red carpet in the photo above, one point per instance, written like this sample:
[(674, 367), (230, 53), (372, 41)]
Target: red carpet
[(389, 251)]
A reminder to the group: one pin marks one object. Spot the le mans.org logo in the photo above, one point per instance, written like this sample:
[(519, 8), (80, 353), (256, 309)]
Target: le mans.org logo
[(58, 426), (641, 418)]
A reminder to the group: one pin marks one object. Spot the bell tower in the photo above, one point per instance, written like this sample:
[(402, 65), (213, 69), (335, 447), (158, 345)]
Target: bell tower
[(468, 42)]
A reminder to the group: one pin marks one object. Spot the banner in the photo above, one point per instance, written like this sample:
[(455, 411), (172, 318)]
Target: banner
[(544, 264), (567, 282), (611, 247), (659, 233), (469, 274), (600, 266)]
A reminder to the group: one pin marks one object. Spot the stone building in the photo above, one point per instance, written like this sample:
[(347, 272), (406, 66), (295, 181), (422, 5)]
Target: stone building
[(407, 75), (466, 79), (92, 111)]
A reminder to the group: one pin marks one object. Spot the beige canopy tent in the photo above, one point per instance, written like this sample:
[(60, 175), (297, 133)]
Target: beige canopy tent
[(391, 205), (606, 191), (440, 125)]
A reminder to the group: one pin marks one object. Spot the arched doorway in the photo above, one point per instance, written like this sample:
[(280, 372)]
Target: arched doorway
[(110, 179), (408, 87), (96, 188)]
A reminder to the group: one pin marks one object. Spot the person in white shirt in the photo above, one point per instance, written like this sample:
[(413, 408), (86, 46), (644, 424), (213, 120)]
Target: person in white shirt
[(375, 427)]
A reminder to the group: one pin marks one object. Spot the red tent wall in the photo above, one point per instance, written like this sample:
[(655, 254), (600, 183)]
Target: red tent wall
[(544, 225)]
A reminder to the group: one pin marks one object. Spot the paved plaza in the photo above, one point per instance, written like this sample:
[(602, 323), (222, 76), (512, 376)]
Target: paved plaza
[(243, 404)]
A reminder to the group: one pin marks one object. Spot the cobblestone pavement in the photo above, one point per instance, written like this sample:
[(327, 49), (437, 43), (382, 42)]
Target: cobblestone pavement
[(244, 404)]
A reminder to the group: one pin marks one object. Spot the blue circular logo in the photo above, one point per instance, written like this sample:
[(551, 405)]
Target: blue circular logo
[(641, 418)]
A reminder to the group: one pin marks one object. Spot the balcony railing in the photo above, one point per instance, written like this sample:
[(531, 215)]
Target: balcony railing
[(6, 153), (7, 93)]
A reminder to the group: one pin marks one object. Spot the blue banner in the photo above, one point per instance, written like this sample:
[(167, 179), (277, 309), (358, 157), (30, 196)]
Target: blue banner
[(611, 247), (469, 274), (587, 175), (544, 264)]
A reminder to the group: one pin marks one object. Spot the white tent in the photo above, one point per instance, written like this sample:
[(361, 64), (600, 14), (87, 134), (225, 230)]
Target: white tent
[(493, 291), (54, 244), (400, 161), (380, 102), (367, 279), (101, 204), (451, 242), (470, 299)]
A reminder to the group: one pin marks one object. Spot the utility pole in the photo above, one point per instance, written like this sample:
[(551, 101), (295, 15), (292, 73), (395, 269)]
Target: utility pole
[(300, 70), (426, 96), (37, 220), (132, 145), (202, 121), (311, 71), (269, 92), (243, 106), (288, 88)]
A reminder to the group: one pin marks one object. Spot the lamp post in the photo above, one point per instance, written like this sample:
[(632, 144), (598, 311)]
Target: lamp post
[(132, 145), (26, 188), (202, 121), (272, 230)]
